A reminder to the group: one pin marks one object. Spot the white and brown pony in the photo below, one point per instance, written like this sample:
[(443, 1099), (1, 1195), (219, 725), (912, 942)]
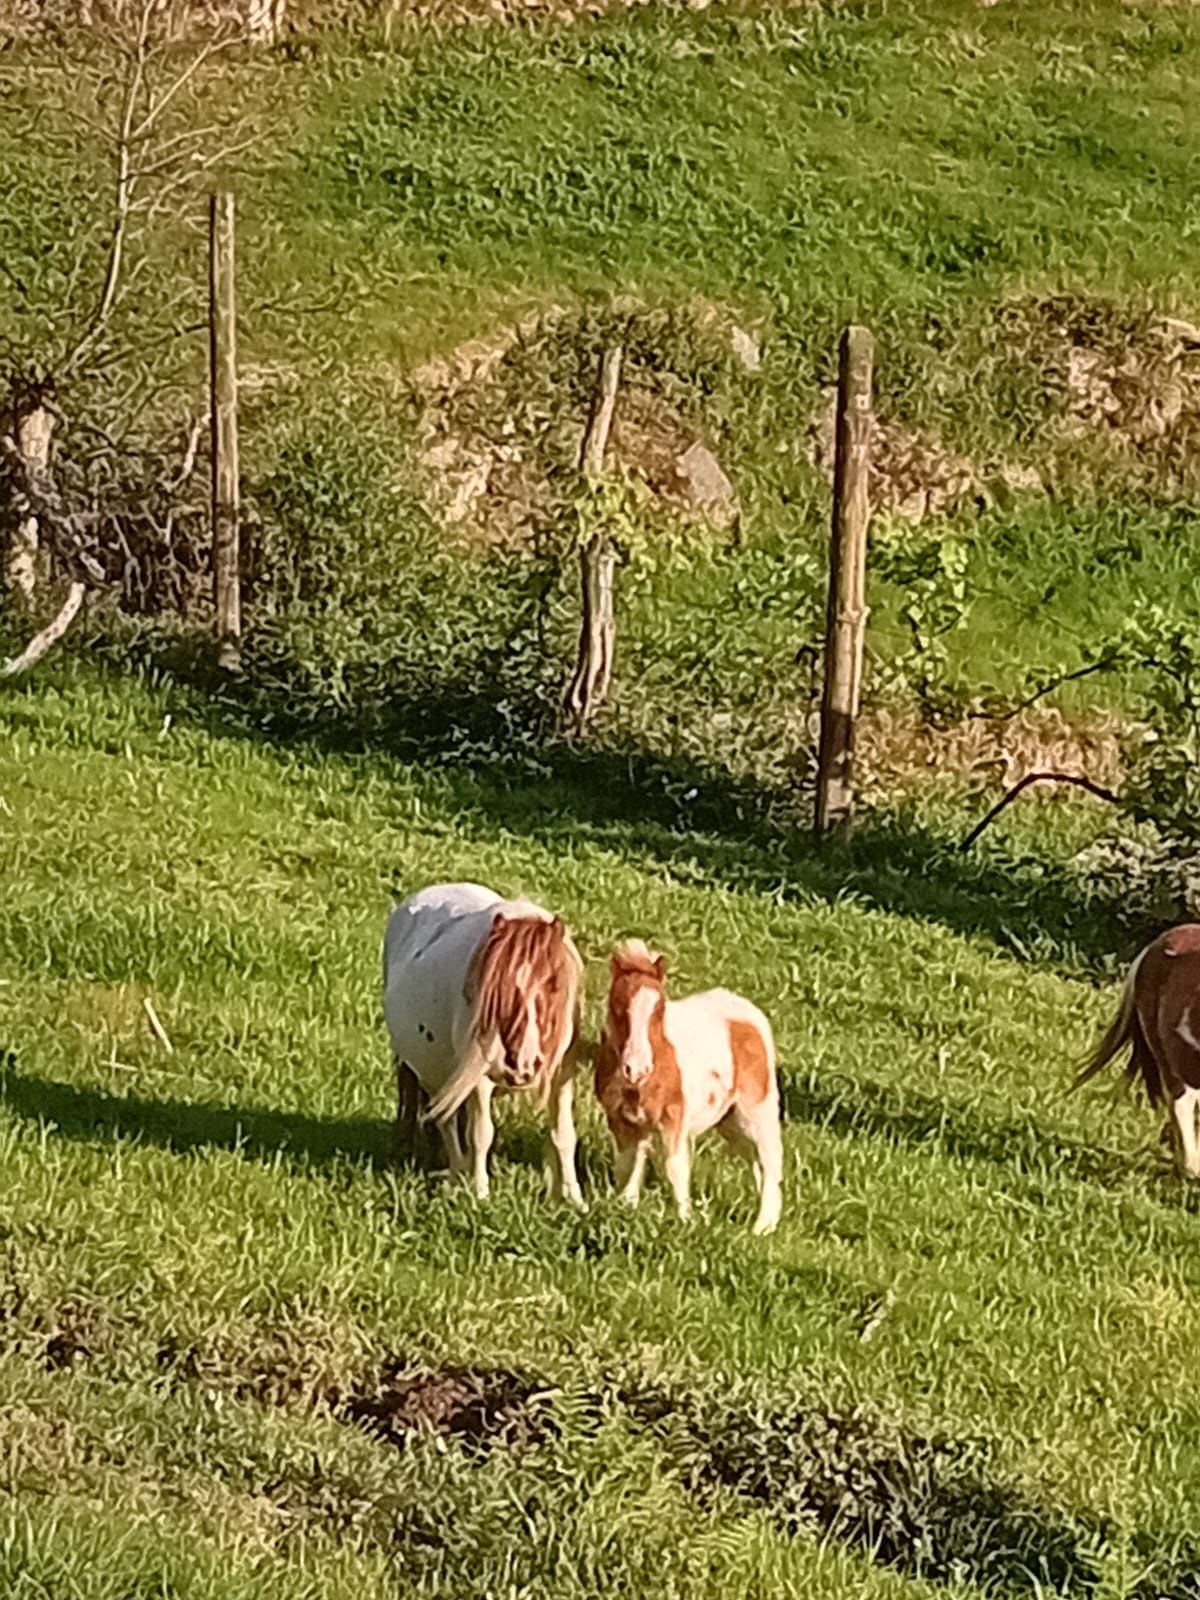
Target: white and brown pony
[(482, 994), (1158, 1021), (675, 1068)]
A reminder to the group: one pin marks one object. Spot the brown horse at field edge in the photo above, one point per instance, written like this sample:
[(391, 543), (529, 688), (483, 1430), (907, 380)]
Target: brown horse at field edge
[(1159, 1022)]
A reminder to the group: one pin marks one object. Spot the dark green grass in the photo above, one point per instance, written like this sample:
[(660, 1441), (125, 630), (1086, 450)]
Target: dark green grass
[(837, 159), (807, 167)]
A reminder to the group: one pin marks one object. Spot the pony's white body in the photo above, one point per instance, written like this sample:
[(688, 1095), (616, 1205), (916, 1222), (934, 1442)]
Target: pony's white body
[(432, 947), (428, 948)]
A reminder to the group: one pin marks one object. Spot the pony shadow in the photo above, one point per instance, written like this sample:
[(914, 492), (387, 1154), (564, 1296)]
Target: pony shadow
[(182, 1126), (908, 1117)]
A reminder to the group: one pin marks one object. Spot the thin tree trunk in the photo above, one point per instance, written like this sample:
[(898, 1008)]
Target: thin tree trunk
[(49, 636), (846, 617), (226, 550), (597, 630)]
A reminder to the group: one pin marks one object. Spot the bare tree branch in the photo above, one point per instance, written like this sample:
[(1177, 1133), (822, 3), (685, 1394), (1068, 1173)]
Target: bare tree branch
[(1073, 778), (1104, 665), (48, 637)]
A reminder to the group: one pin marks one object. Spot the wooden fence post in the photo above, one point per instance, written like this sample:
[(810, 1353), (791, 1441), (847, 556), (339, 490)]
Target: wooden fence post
[(597, 628), (226, 541), (846, 615), (31, 433)]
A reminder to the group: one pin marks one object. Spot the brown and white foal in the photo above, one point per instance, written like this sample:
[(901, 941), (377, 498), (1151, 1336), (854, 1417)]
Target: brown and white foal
[(1159, 1022), (678, 1067)]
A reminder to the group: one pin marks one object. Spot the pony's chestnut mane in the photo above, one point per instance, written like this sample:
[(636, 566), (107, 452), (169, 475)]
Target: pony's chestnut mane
[(522, 955)]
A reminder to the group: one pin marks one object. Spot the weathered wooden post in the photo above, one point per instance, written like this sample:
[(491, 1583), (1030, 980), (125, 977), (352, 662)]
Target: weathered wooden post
[(597, 628), (846, 615), (226, 542), (31, 433)]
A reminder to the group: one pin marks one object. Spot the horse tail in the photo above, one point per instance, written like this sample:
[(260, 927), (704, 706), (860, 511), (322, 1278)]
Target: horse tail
[(459, 1086), (1122, 1031)]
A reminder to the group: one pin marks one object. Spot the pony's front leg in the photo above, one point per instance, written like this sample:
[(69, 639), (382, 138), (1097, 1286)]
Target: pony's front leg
[(455, 1158), (629, 1164), (564, 1176), (408, 1094), (483, 1131), (678, 1165)]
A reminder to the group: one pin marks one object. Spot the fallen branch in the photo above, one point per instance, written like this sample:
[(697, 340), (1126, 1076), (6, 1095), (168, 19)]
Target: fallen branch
[(1002, 804), (49, 636)]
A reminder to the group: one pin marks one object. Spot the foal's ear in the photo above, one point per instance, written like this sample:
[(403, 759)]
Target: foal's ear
[(498, 921), (660, 968)]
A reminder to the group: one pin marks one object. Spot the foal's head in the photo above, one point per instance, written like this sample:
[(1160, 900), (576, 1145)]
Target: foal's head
[(636, 1005)]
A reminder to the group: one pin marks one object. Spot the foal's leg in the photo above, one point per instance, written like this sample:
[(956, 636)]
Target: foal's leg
[(629, 1163), (483, 1131), (565, 1179), (678, 1167), (769, 1142), (741, 1141), (1185, 1120), (753, 1132)]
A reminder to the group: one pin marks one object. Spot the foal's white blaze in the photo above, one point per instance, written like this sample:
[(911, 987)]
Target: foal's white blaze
[(638, 1058)]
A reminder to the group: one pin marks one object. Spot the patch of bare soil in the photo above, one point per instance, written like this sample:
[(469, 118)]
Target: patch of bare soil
[(314, 1366), (479, 1406), (78, 1332), (498, 417), (1124, 381), (913, 475), (900, 751)]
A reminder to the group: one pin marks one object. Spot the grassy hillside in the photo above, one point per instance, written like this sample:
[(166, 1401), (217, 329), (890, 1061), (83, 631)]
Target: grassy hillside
[(242, 1355), (211, 1272), (1004, 194)]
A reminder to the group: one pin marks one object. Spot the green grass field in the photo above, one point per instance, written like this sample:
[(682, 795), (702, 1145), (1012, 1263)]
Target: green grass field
[(961, 1367), (208, 1260)]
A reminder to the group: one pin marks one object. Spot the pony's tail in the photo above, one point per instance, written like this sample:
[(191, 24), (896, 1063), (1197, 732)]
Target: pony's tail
[(1122, 1031), (458, 1087)]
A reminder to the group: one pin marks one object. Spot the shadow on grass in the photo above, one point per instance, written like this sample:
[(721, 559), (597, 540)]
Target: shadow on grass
[(496, 745), (182, 1125), (837, 1104), (89, 1114), (908, 1117)]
